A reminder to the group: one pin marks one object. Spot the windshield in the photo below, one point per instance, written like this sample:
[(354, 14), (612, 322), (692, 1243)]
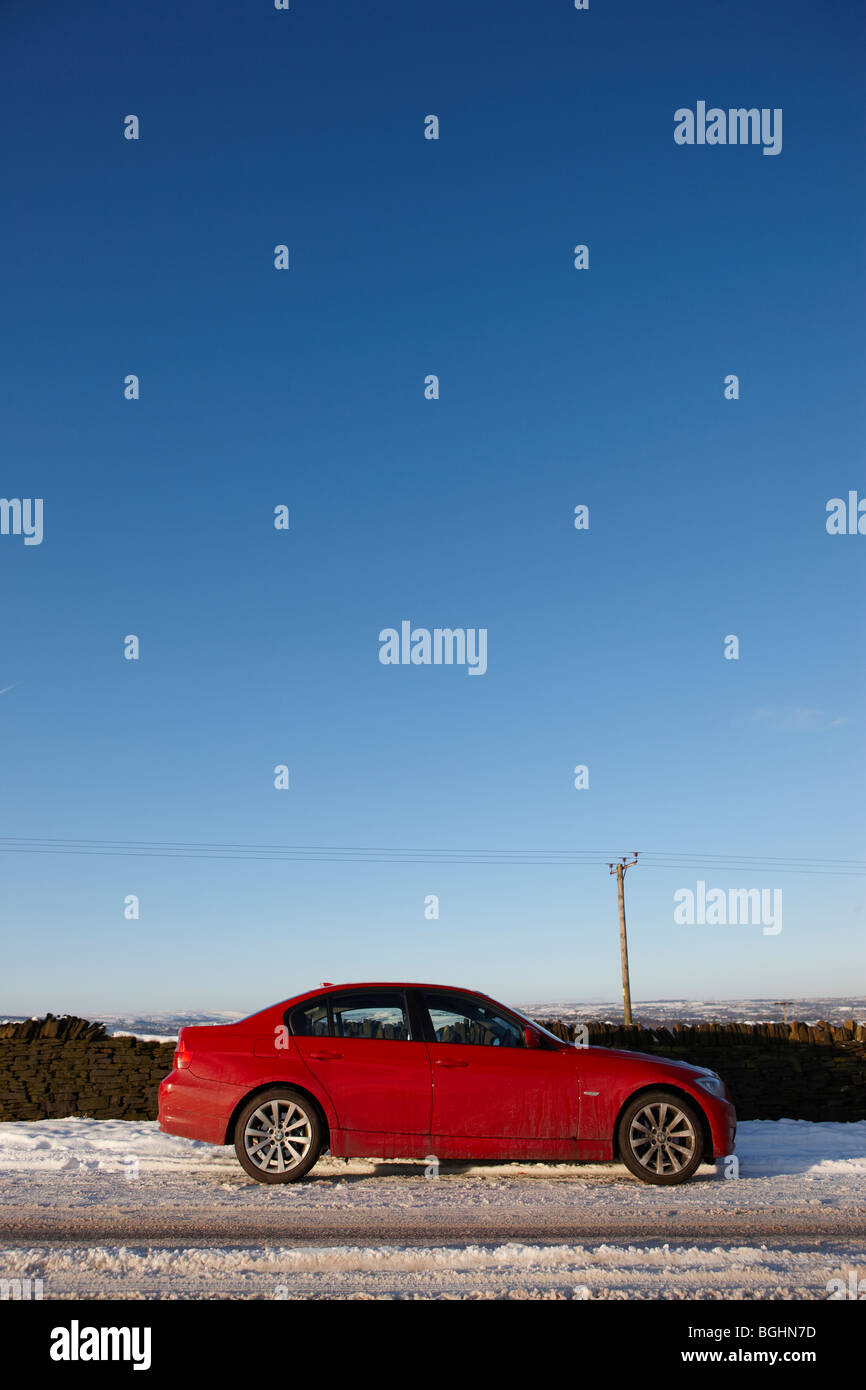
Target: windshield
[(539, 1028)]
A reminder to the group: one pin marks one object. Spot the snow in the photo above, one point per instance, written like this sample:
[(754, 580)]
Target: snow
[(112, 1208), (657, 1013), (144, 1037), (764, 1148), (511, 1270)]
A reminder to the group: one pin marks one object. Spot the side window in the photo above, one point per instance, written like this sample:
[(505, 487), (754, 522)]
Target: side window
[(311, 1019), (372, 1015), (455, 1018)]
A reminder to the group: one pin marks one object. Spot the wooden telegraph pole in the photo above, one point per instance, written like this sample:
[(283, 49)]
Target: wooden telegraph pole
[(620, 871)]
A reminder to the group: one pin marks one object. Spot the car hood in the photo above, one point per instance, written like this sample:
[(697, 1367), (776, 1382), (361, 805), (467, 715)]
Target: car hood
[(657, 1059)]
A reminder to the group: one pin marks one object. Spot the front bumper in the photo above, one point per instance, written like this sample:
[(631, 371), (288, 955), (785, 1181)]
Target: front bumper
[(722, 1119)]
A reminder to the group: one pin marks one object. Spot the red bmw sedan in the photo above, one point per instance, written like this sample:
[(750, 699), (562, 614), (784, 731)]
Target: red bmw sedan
[(409, 1071)]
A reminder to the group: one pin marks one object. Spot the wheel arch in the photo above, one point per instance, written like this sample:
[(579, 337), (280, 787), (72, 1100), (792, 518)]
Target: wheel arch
[(706, 1133), (284, 1085)]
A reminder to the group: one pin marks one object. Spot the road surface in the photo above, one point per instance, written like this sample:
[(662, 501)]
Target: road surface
[(107, 1209)]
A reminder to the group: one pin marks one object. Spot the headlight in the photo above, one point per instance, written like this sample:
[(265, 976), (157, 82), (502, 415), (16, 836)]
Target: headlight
[(714, 1084)]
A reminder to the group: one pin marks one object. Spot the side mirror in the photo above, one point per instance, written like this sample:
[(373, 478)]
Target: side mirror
[(531, 1038)]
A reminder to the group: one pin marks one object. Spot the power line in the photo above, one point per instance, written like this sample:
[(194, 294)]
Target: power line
[(595, 855), (547, 858)]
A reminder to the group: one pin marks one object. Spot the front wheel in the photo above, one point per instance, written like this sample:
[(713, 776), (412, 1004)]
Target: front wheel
[(660, 1138), (278, 1136)]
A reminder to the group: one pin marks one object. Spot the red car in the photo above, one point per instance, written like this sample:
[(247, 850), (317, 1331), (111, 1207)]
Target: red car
[(410, 1071)]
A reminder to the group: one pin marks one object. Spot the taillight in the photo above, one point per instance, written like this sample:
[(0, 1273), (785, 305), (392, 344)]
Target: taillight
[(182, 1055)]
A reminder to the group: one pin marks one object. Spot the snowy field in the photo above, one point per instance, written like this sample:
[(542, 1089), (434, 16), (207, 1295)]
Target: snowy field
[(656, 1013), (107, 1209), (163, 1026)]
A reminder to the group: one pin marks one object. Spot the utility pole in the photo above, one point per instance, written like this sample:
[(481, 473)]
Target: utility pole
[(620, 871), (783, 1003)]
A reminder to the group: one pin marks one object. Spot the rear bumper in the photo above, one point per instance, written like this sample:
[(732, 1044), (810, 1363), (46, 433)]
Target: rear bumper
[(191, 1108)]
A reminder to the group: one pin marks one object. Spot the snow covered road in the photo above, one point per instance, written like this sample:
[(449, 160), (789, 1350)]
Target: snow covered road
[(101, 1209)]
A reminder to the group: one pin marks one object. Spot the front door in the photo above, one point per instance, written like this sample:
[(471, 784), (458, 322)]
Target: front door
[(487, 1083)]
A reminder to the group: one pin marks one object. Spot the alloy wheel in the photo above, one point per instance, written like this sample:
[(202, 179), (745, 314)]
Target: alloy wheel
[(277, 1136), (662, 1138)]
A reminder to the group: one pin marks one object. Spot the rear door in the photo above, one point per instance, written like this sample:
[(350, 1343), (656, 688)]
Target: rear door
[(487, 1083), (360, 1047)]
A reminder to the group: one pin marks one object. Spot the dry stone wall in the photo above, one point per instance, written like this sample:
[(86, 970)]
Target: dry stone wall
[(55, 1067)]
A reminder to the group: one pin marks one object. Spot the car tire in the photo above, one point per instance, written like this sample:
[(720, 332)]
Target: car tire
[(278, 1135), (660, 1138)]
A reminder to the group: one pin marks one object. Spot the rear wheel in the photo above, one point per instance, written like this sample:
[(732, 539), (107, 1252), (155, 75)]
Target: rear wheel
[(660, 1138), (278, 1135)]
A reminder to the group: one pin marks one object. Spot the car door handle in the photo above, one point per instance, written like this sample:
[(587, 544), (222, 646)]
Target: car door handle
[(449, 1062), (326, 1056)]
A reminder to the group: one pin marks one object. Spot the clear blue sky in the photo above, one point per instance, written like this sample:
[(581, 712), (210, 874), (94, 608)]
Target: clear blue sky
[(306, 387)]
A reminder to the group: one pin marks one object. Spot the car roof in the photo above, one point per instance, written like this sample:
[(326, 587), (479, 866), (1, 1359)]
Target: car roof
[(331, 988)]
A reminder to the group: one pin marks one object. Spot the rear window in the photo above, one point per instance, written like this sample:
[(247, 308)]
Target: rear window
[(379, 1015), (311, 1019)]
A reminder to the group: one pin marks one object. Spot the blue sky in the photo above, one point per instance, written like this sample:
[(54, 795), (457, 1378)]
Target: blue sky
[(306, 387)]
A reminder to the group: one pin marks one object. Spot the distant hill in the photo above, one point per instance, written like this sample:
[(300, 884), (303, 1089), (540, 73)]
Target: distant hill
[(658, 1013), (152, 1025), (652, 1013)]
